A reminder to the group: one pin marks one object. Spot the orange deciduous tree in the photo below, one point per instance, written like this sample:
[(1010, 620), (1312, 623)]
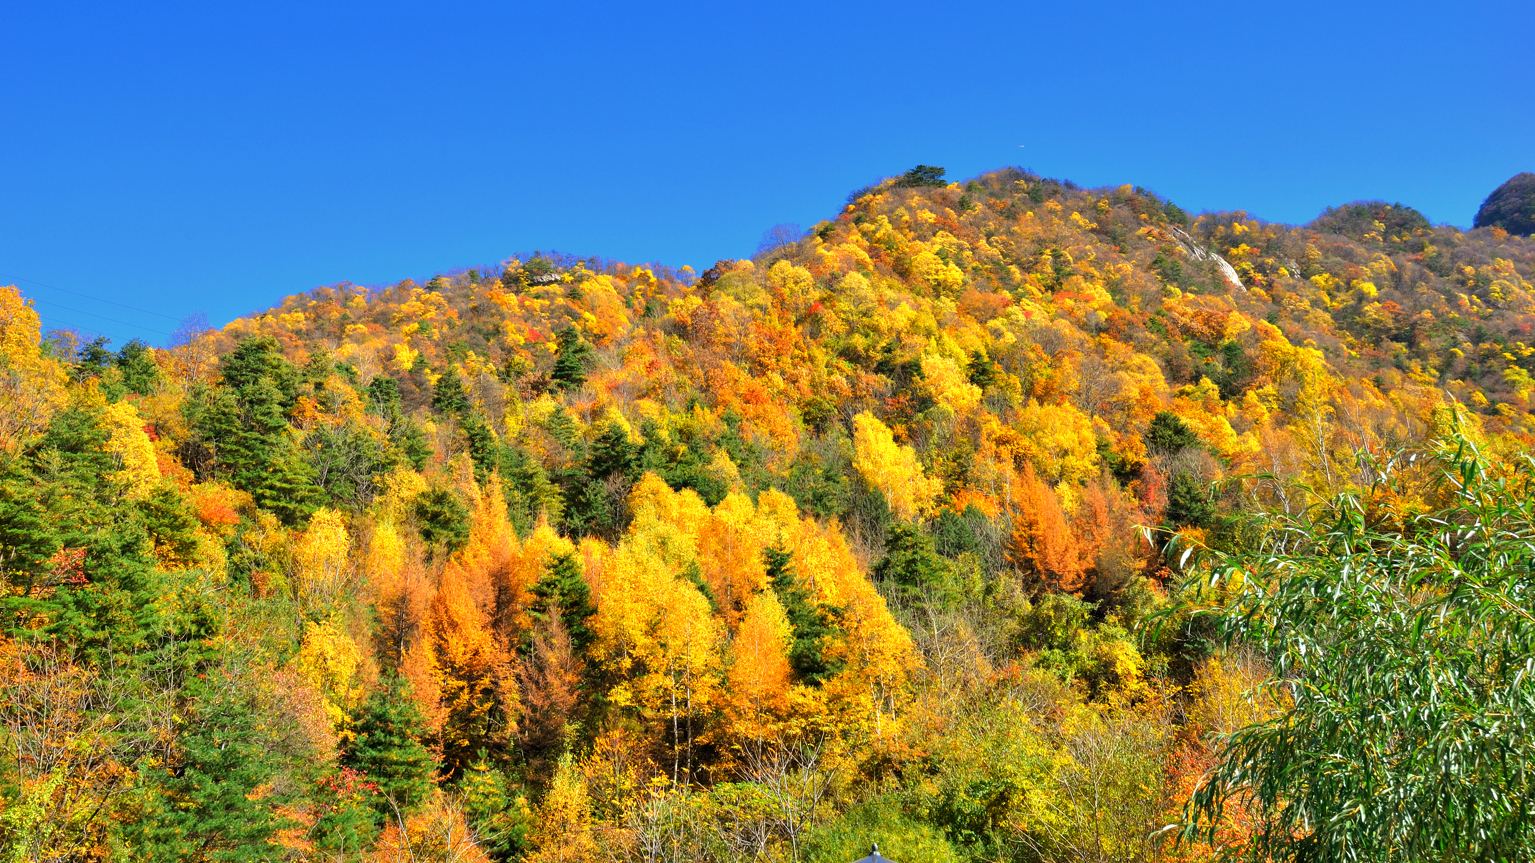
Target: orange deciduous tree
[(1041, 541), (477, 688)]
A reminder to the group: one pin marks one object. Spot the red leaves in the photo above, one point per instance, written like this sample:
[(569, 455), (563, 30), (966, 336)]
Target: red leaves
[(68, 566), (349, 783)]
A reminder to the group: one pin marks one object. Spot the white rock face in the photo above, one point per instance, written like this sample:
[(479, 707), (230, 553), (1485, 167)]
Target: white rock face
[(1200, 253)]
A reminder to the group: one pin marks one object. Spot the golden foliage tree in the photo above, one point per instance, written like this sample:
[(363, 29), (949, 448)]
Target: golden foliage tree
[(322, 558), (127, 442), (1042, 541), (892, 469), (758, 676), (31, 383), (476, 687), (564, 833)]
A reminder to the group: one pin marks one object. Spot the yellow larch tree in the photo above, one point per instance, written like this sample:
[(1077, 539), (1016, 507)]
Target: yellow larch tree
[(758, 678), (682, 659), (1042, 541), (475, 681), (490, 563), (730, 556), (322, 558), (130, 445), (331, 661), (876, 653), (515, 580), (892, 469), (1059, 442), (31, 383), (564, 831), (947, 383)]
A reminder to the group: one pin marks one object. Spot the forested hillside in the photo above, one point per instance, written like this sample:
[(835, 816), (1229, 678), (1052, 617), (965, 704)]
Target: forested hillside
[(878, 536)]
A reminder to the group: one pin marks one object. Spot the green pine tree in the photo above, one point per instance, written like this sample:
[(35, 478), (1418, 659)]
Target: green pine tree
[(347, 461), (387, 749), (243, 426), (1168, 434), (448, 395), (484, 449), (913, 567), (572, 357), (211, 802), (138, 371), (384, 397), (104, 597), (812, 625), (613, 454), (498, 815), (28, 537), (443, 520), (1188, 502), (528, 489), (563, 591)]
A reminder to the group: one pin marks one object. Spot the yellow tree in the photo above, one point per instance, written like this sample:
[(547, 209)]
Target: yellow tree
[(947, 382), (892, 469), (681, 658), (383, 563), (875, 653), (549, 677), (475, 683), (514, 582), (1059, 441), (1042, 542), (31, 383), (656, 635), (130, 445), (757, 682), (666, 523), (497, 570), (730, 556), (563, 831), (437, 833), (400, 587), (330, 660), (321, 558)]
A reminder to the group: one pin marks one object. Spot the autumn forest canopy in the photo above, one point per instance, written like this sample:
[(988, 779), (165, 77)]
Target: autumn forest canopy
[(995, 520)]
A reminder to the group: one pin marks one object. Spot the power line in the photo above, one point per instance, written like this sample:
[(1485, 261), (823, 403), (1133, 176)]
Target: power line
[(81, 294), (56, 305)]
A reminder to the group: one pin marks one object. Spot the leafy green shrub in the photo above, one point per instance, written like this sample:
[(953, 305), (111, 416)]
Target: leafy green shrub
[(901, 837), (1401, 642)]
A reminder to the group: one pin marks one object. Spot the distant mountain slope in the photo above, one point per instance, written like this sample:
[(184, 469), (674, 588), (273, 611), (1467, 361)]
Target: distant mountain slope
[(1035, 275), (1511, 206)]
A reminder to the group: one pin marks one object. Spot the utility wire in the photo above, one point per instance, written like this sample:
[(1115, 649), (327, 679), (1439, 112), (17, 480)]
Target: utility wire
[(141, 327), (81, 294)]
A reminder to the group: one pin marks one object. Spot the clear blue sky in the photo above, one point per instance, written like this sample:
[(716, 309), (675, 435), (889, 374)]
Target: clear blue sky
[(198, 158)]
